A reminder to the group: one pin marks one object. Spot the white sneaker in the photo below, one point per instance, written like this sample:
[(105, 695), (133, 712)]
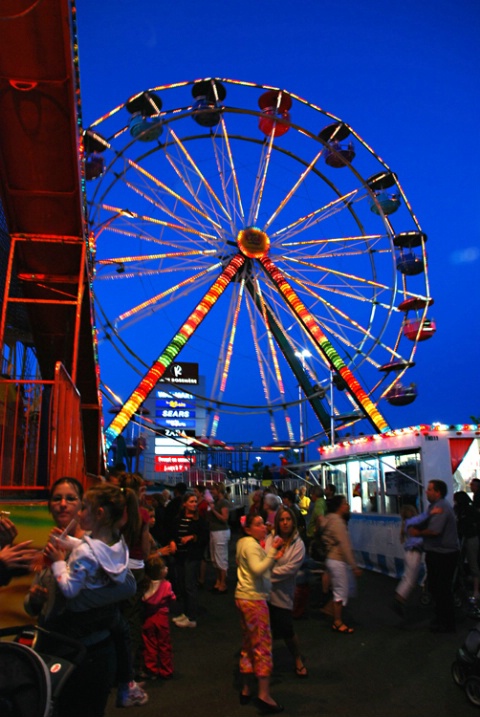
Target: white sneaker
[(186, 623), (179, 618), (132, 696)]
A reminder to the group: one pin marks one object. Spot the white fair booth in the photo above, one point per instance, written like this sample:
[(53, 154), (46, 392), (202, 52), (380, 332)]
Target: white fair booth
[(380, 473)]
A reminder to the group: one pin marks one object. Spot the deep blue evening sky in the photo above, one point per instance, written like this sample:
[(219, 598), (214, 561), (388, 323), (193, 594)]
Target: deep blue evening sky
[(404, 75)]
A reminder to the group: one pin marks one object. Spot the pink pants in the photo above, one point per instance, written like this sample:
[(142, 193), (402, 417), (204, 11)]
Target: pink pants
[(157, 645), (256, 652)]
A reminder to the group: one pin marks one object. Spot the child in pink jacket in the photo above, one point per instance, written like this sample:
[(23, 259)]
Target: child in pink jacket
[(157, 643)]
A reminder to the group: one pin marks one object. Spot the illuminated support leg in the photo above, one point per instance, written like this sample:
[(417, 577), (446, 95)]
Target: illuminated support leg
[(154, 374), (335, 361)]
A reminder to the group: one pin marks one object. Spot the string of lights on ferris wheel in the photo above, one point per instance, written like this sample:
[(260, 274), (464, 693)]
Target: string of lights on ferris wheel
[(341, 288)]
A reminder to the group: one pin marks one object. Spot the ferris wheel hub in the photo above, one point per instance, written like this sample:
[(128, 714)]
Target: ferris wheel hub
[(253, 242)]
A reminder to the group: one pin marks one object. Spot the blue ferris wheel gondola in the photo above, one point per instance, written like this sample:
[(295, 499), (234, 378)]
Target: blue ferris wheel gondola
[(207, 95), (146, 124)]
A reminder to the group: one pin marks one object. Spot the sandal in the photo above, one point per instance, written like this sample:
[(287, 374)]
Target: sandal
[(301, 671), (341, 627)]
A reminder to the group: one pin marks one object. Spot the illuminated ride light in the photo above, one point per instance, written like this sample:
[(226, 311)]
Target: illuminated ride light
[(228, 358), (155, 373), (333, 358), (420, 430), (170, 215)]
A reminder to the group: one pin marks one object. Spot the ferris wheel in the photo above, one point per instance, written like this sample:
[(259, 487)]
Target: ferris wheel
[(263, 238)]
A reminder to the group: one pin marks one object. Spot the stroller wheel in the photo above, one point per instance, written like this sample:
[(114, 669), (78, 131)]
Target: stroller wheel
[(472, 688), (459, 673)]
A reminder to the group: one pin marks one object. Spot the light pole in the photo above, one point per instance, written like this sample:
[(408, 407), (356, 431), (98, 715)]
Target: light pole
[(302, 355), (332, 413)]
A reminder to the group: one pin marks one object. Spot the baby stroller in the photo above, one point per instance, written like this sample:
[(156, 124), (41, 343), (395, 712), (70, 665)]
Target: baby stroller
[(30, 678), (466, 667)]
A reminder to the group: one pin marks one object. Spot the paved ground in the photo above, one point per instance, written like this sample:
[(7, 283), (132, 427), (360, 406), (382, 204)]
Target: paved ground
[(387, 668)]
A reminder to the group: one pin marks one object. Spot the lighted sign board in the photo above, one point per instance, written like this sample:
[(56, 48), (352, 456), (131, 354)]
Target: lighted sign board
[(174, 403), (181, 373), (177, 450), (174, 432), (169, 447), (174, 413), (173, 464), (178, 423), (174, 394)]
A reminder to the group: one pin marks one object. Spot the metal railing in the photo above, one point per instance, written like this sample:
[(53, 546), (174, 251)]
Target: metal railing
[(41, 435)]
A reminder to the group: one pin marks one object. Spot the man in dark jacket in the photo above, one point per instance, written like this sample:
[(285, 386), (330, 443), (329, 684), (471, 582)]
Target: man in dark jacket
[(440, 542)]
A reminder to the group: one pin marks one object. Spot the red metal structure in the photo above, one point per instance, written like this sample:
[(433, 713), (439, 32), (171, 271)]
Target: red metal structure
[(47, 279)]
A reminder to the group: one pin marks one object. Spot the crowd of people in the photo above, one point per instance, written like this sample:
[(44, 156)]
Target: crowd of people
[(121, 567)]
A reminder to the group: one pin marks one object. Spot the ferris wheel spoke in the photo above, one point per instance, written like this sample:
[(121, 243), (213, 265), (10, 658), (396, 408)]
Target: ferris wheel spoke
[(203, 180), (118, 211), (160, 205), (231, 164), (125, 236), (231, 341), (310, 259), (142, 258), (260, 181), (263, 367), (320, 247), (333, 310), (271, 344), (275, 327), (294, 188), (138, 271), (125, 352), (315, 217), (133, 232), (359, 280), (225, 356), (160, 301), (180, 170), (359, 238), (169, 192), (358, 393), (311, 288), (169, 354), (365, 331), (220, 164), (212, 403), (264, 364)]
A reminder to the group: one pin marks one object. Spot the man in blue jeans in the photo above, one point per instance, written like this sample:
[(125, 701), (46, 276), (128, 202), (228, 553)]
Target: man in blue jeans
[(440, 542)]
